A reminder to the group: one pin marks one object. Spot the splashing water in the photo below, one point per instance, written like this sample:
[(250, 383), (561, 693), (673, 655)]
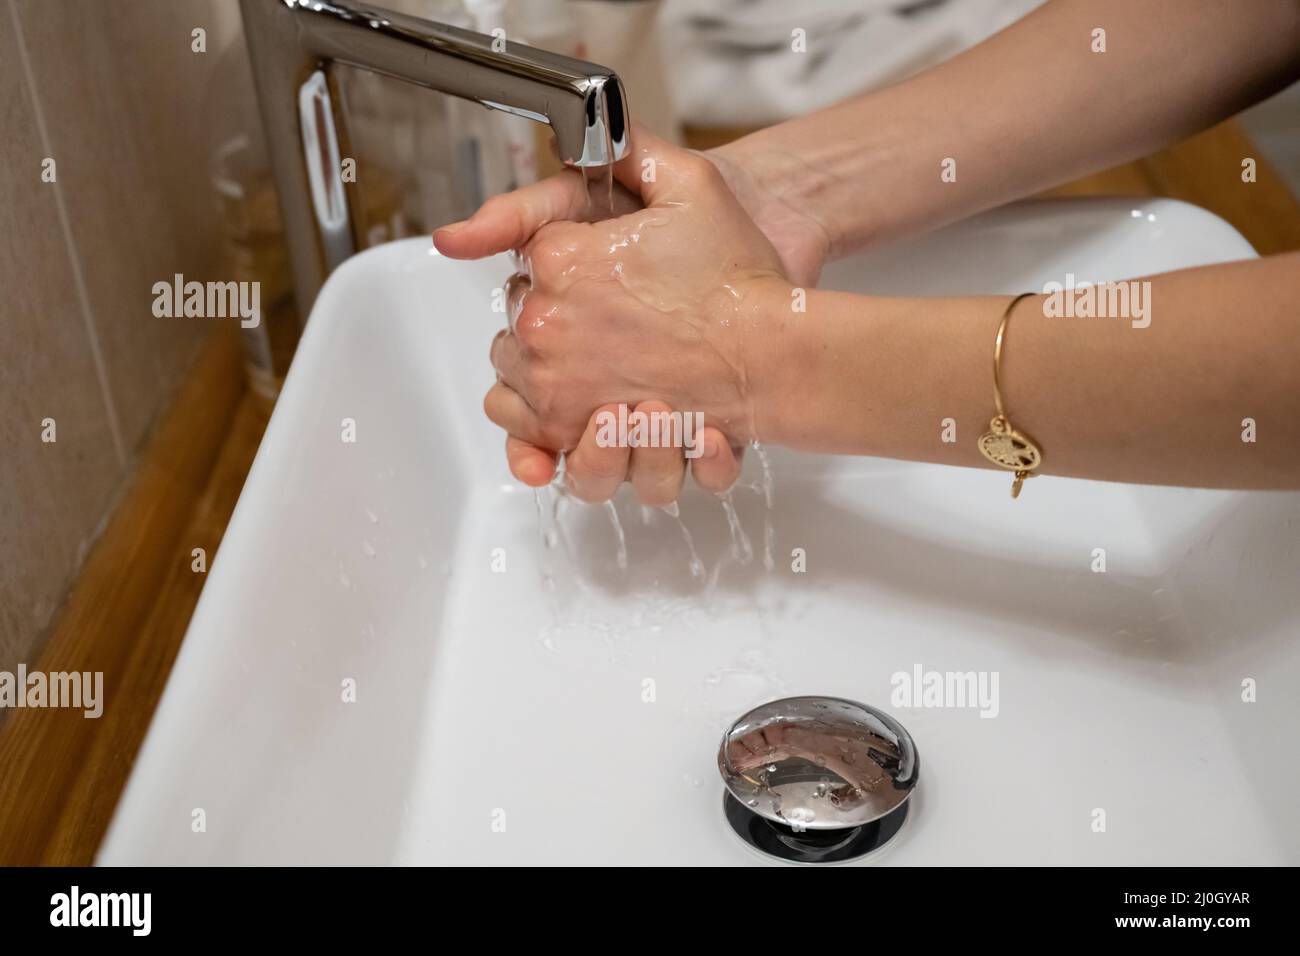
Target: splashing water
[(619, 536), (768, 490), (546, 532), (741, 549), (696, 565), (550, 502)]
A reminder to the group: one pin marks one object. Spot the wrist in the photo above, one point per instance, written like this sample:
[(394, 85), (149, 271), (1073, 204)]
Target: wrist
[(779, 354), (842, 373), (851, 170), (785, 195)]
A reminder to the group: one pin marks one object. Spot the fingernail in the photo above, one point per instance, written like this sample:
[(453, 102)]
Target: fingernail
[(452, 228)]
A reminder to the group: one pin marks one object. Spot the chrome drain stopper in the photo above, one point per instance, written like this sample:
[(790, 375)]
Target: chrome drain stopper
[(817, 779)]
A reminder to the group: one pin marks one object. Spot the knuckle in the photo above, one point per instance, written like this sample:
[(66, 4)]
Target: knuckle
[(697, 171), (544, 255), (544, 399), (515, 286), (532, 326), (549, 252), (498, 205), (494, 348)]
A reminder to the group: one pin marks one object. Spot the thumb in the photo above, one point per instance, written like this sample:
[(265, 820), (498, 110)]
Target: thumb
[(660, 172), (508, 221)]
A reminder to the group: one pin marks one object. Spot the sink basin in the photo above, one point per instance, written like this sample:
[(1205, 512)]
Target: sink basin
[(523, 703)]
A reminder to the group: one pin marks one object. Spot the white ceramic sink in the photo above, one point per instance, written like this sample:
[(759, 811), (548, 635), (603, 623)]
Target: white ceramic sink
[(484, 698)]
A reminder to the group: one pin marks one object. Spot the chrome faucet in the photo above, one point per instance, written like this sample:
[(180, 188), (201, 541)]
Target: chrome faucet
[(293, 45)]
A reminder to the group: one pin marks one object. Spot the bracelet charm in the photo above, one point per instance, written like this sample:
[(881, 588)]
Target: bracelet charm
[(1002, 444), (1010, 449)]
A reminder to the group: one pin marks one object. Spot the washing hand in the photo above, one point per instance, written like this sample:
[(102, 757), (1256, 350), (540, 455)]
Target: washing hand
[(640, 310)]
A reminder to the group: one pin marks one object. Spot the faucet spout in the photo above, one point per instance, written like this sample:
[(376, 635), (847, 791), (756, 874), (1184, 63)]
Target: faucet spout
[(294, 43), (582, 102)]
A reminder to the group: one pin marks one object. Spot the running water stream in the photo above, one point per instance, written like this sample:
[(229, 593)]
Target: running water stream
[(769, 533), (598, 176), (619, 536), (551, 531), (697, 566), (741, 549)]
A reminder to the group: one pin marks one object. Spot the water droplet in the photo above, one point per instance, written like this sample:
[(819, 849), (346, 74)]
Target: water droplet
[(801, 815)]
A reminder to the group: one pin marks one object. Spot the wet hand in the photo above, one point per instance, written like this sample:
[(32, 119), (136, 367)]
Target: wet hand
[(639, 308)]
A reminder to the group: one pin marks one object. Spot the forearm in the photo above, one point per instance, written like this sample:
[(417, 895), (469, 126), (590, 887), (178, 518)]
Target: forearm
[(1163, 404), (1029, 108)]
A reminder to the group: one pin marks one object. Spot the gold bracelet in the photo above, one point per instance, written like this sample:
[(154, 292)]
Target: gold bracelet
[(1002, 444)]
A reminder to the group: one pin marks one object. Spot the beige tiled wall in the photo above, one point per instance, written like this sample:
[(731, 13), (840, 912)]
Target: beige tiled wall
[(112, 91)]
